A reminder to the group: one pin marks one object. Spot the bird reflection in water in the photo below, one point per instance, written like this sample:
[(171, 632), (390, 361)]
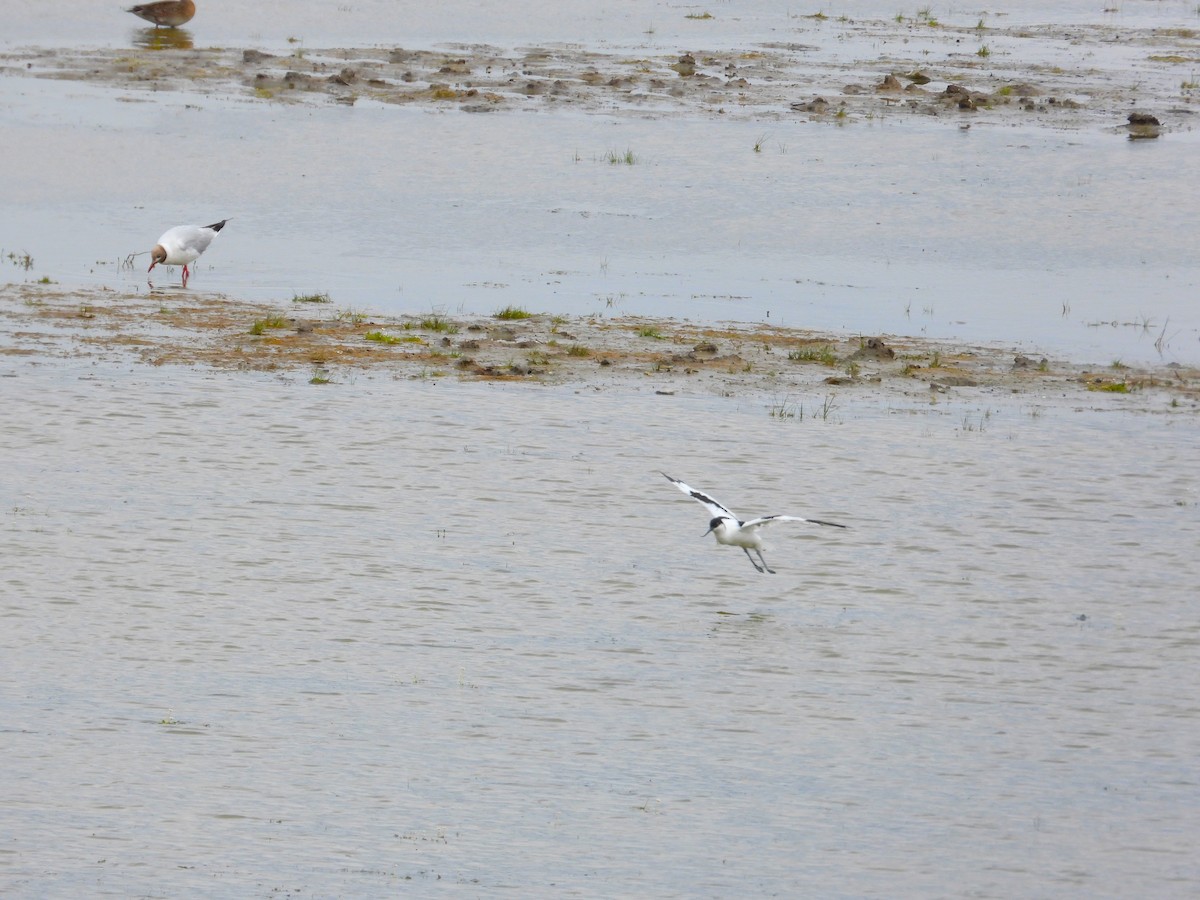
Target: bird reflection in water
[(163, 38)]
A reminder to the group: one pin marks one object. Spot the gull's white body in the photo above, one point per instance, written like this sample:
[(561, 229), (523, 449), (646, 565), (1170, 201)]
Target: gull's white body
[(728, 530), (183, 244)]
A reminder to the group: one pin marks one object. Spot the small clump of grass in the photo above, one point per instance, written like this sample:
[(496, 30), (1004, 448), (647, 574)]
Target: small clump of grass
[(439, 324), (703, 15), (823, 355), (320, 376), (510, 313), (578, 350), (261, 325), (24, 260), (649, 331), (311, 298), (381, 337), (613, 158), (1115, 387), (983, 52)]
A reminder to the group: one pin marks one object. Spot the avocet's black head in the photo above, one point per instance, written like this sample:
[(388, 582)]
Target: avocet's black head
[(712, 526)]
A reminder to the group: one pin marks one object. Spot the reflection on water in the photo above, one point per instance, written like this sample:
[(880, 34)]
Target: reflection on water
[(163, 38), (335, 639)]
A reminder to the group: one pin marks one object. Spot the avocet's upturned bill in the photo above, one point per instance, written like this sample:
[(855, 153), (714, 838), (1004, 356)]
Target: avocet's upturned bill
[(182, 245), (727, 529)]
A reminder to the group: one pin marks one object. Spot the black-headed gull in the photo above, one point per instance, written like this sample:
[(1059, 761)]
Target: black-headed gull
[(727, 529), (182, 245), (172, 13)]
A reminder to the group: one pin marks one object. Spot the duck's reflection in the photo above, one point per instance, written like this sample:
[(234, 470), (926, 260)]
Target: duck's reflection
[(163, 38)]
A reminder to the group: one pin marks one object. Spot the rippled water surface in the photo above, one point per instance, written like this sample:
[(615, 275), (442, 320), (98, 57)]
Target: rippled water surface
[(264, 637)]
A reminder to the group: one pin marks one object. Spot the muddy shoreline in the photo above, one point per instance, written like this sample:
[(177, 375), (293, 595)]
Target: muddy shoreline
[(838, 71), (315, 340)]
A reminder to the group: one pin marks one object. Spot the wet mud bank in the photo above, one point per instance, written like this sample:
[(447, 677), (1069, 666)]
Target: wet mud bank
[(313, 339), (836, 70)]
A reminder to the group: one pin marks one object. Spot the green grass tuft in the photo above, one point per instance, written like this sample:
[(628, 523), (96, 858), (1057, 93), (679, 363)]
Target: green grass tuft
[(437, 323), (261, 326), (823, 355), (511, 312)]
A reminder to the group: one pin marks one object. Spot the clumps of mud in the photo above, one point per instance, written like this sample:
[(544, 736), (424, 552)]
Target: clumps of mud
[(846, 70), (324, 344)]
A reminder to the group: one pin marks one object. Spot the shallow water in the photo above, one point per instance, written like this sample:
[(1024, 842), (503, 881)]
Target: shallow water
[(630, 23), (261, 636), (1060, 244)]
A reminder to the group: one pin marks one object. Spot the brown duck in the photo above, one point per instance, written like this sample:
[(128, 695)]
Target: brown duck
[(172, 13)]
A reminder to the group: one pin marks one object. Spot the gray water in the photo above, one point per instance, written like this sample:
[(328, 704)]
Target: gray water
[(261, 638)]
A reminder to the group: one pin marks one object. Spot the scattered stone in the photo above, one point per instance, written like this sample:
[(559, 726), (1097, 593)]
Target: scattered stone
[(255, 56), (705, 347), (686, 66), (949, 381), (1024, 362), (918, 78), (819, 105), (1143, 126), (889, 83), (874, 348)]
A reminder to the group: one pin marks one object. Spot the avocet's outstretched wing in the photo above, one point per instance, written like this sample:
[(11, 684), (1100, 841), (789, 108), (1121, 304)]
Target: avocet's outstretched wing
[(768, 520), (715, 509)]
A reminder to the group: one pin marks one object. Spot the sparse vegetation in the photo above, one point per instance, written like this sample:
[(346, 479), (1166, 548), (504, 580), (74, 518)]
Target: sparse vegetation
[(382, 337), (311, 298), (439, 324), (786, 408), (24, 260), (649, 331), (510, 313), (262, 325), (824, 354), (612, 157)]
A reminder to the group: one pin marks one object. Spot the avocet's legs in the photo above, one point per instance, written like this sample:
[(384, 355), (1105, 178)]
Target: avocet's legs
[(753, 563), (764, 562)]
